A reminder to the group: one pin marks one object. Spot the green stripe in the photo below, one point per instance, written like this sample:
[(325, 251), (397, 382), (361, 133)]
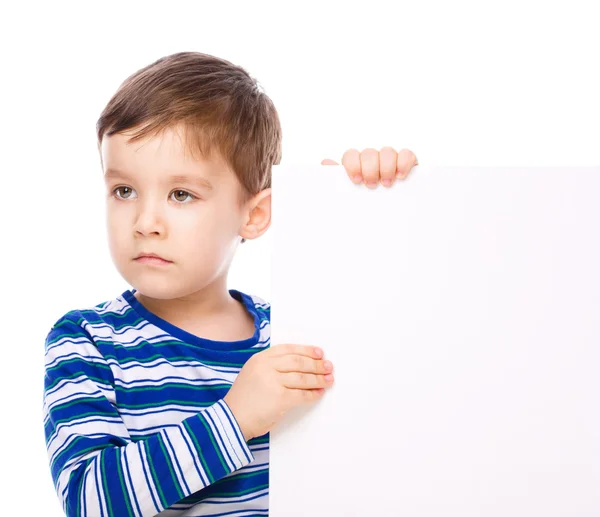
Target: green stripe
[(212, 439), (80, 453), (231, 479), (99, 380), (200, 496), (55, 423), (198, 450), (94, 364), (153, 405), (127, 348), (164, 402), (166, 343), (78, 513), (106, 490), (241, 492), (154, 476), (170, 464), (76, 401), (123, 485), (93, 318), (174, 385)]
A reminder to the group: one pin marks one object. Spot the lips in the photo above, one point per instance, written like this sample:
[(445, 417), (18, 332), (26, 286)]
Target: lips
[(151, 255)]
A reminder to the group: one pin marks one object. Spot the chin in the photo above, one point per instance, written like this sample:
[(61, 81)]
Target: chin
[(155, 285), (164, 288), (159, 290)]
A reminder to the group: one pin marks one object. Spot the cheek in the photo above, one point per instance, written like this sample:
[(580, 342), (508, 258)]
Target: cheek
[(211, 231), (116, 232)]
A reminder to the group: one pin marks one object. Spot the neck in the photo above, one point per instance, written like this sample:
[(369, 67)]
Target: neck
[(213, 299)]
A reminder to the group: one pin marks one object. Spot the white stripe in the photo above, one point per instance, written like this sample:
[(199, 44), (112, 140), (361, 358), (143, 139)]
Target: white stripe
[(239, 444), (220, 435), (91, 426), (187, 439), (178, 459), (149, 483), (77, 384), (101, 489), (128, 487)]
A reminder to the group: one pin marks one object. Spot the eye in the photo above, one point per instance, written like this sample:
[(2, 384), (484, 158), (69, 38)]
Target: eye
[(184, 194), (123, 188), (125, 193)]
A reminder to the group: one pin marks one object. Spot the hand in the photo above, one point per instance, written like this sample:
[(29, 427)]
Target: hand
[(373, 166), (274, 381)]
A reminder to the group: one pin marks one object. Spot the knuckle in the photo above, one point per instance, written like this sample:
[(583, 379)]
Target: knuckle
[(406, 155), (352, 152), (369, 150)]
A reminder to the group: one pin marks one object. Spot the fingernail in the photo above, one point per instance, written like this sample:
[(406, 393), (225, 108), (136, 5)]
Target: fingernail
[(329, 377), (327, 365), (318, 352), (399, 175), (372, 185), (358, 178), (386, 182)]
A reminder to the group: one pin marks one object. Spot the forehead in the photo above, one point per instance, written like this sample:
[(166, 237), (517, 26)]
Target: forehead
[(165, 152)]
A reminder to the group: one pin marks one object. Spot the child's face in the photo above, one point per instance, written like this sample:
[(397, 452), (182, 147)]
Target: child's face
[(195, 224)]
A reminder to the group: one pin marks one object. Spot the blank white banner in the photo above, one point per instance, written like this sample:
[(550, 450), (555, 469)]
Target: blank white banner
[(461, 310)]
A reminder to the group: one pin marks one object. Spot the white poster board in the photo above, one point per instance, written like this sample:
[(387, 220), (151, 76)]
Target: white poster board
[(461, 310)]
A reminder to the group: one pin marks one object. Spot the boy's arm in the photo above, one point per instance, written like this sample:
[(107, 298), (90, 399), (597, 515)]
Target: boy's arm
[(96, 467)]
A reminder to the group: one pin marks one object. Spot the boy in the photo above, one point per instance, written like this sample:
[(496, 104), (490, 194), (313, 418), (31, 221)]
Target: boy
[(159, 402)]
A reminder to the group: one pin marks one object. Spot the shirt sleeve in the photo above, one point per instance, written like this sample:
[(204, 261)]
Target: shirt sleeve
[(96, 467)]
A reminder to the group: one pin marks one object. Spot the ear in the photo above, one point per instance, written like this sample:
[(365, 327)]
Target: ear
[(257, 215)]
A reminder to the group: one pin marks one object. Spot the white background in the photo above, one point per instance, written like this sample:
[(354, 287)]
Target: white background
[(465, 348), (459, 83)]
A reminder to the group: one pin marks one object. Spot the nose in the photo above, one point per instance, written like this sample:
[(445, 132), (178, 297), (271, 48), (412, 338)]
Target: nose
[(149, 219)]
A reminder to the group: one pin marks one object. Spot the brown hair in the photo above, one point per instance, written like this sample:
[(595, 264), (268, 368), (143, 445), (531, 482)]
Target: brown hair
[(221, 107)]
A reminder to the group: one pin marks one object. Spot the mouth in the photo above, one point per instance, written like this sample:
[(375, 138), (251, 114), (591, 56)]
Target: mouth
[(151, 258)]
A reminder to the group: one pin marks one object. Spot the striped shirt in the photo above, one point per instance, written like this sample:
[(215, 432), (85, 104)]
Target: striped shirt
[(135, 421)]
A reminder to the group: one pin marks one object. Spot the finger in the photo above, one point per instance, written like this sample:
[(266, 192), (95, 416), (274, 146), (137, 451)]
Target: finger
[(327, 161), (351, 161), (297, 397), (406, 161), (300, 363), (286, 349), (388, 160), (369, 162), (305, 381)]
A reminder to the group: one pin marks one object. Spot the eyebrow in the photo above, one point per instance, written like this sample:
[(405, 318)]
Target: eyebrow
[(174, 178)]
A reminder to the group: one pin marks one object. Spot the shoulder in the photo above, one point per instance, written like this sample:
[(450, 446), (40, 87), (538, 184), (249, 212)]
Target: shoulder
[(259, 302), (73, 346), (90, 322), (258, 305)]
